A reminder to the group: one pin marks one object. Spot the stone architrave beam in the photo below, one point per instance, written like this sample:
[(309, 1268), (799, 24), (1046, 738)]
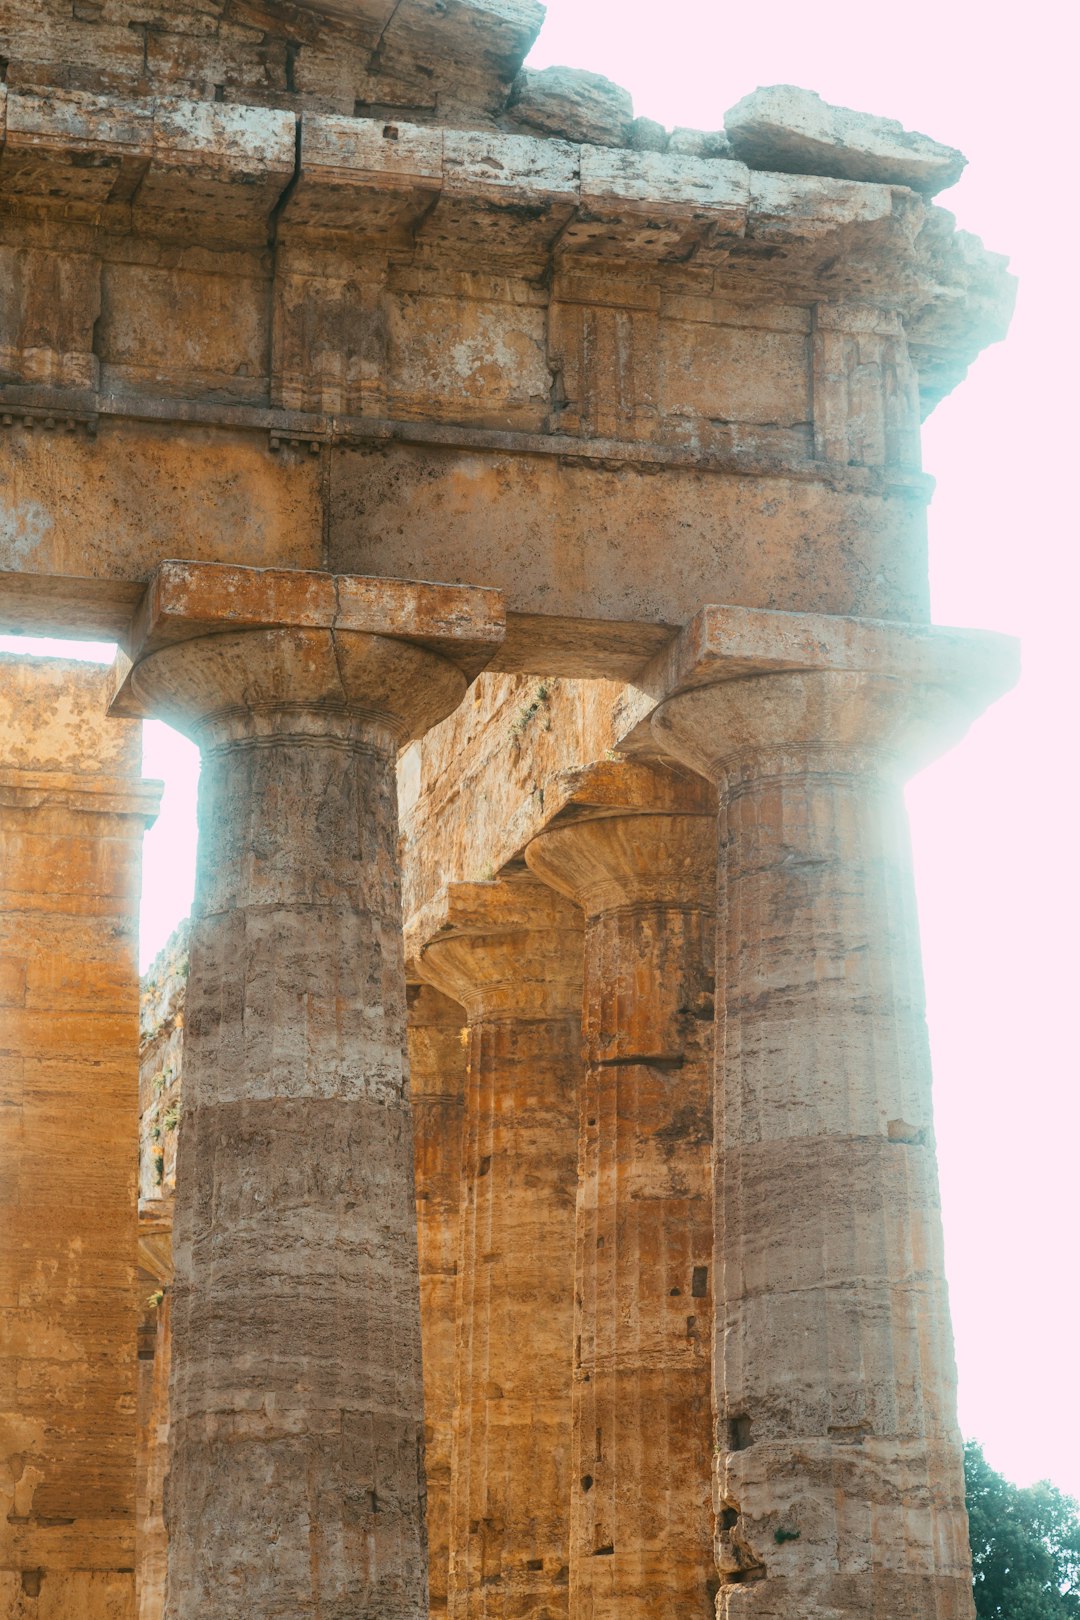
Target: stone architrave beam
[(296, 1481)]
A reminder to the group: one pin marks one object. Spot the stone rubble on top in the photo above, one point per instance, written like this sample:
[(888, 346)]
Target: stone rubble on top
[(780, 128)]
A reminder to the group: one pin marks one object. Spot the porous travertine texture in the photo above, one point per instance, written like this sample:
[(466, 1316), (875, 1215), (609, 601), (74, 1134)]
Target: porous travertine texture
[(573, 104), (151, 1540), (511, 953), (435, 59), (641, 1519), (161, 1038), (793, 130), (304, 338), (296, 1484), (839, 1479), (437, 1062), (437, 1059), (72, 815)]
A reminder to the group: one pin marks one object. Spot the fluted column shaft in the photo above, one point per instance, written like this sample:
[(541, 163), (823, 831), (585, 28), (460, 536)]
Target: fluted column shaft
[(296, 1481), (515, 963), (437, 1064), (641, 1523), (296, 1389), (839, 1476)]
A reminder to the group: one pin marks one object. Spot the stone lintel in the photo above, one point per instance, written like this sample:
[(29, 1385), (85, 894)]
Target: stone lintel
[(187, 601)]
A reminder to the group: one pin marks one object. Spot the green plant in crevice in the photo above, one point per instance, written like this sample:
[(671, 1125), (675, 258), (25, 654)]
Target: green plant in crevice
[(539, 701)]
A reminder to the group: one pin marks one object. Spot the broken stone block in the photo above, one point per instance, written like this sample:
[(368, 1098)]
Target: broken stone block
[(646, 135), (793, 131), (571, 103), (704, 143)]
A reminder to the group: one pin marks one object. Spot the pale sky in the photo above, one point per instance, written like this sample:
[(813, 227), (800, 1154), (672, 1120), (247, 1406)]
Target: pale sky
[(992, 823)]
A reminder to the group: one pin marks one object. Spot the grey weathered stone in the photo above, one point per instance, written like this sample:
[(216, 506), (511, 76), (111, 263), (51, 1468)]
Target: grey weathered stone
[(792, 130), (646, 135), (706, 143), (577, 105)]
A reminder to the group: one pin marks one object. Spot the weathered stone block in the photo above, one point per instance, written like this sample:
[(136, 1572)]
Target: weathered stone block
[(793, 130), (650, 205), (573, 104)]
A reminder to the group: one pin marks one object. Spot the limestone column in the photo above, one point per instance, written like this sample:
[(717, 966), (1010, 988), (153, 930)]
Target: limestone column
[(296, 1482), (511, 954), (641, 1519), (839, 1477), (72, 815), (437, 1063)]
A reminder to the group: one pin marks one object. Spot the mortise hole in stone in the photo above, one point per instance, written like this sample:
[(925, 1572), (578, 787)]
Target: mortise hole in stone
[(606, 1551), (586, 1482), (699, 1286), (485, 1165), (31, 1582), (675, 1292), (534, 1563), (390, 132), (738, 1433), (729, 1518)]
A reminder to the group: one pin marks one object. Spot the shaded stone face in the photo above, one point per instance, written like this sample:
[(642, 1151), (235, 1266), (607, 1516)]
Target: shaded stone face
[(511, 954), (72, 815), (641, 1518)]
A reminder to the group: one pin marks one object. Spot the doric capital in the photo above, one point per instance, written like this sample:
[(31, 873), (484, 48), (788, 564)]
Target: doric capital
[(738, 683), (826, 719), (624, 833), (508, 949), (612, 861), (223, 652)]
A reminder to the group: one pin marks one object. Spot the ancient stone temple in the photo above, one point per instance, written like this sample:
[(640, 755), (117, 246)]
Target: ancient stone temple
[(522, 1201)]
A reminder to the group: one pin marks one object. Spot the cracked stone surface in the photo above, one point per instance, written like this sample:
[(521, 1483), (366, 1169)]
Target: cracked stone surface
[(784, 127)]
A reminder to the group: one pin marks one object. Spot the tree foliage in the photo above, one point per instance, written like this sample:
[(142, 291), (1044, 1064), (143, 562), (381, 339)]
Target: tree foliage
[(1025, 1546)]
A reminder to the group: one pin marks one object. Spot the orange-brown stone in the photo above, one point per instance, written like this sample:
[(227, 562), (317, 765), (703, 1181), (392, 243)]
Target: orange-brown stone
[(511, 954), (641, 1519), (72, 815), (838, 1474), (437, 1084)]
